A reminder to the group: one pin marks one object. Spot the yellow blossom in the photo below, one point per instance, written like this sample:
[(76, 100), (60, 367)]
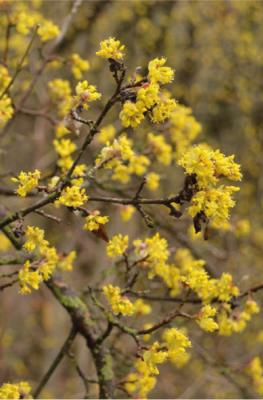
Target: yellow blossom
[(132, 114), (19, 390), (152, 181), (85, 93), (111, 48), (142, 308), (106, 134), (205, 318), (117, 245), (48, 30), (148, 95), (78, 65), (64, 147), (94, 220), (28, 278), (163, 110), (127, 212), (6, 110), (177, 342), (5, 243), (27, 181), (66, 262), (159, 147), (159, 73), (72, 196), (60, 92), (4, 78), (118, 303)]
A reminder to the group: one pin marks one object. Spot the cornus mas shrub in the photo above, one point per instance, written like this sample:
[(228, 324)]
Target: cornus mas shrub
[(110, 156)]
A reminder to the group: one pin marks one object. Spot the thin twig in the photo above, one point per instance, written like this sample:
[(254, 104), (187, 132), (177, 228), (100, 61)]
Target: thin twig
[(62, 352)]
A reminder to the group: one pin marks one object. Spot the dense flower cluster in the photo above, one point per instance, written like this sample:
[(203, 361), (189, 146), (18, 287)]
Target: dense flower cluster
[(20, 390), (94, 221), (27, 181), (121, 159), (118, 303), (211, 201), (72, 196), (255, 371), (117, 245), (47, 260), (173, 348), (111, 48)]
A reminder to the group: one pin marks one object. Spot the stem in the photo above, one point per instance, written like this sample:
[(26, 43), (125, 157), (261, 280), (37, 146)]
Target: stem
[(21, 62), (62, 352)]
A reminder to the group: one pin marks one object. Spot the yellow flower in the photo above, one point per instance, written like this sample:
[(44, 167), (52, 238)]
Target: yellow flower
[(60, 92), (152, 181), (48, 30), (78, 65), (66, 262), (4, 78), (163, 110), (142, 308), (34, 238), (117, 245), (72, 196), (183, 129), (61, 130), (111, 48), (27, 181), (177, 342), (118, 303), (64, 147), (5, 243), (160, 148), (94, 220), (20, 390), (209, 165), (127, 212), (85, 93), (28, 279), (214, 202), (159, 73), (205, 318), (255, 371), (131, 114), (106, 134), (148, 95), (6, 110)]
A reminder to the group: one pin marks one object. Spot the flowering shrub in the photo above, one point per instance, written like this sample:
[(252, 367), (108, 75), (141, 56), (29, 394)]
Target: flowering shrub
[(129, 151)]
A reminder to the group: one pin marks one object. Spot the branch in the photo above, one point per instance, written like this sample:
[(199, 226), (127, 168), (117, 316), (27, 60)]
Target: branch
[(62, 352)]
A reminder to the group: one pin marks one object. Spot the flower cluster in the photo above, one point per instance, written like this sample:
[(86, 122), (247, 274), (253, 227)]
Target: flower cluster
[(210, 202), (111, 48), (149, 99), (20, 390), (161, 149), (177, 342), (60, 93), (183, 129), (6, 110), (85, 93), (255, 371), (173, 348), (27, 181), (122, 160), (205, 318), (78, 65), (119, 304), (117, 245), (94, 221), (72, 196), (47, 259)]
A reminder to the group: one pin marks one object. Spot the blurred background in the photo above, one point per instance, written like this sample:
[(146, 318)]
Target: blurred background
[(215, 48)]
